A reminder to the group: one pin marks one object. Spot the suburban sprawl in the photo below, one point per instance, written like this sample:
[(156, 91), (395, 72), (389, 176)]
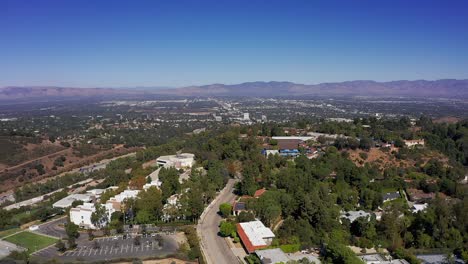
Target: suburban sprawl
[(233, 181)]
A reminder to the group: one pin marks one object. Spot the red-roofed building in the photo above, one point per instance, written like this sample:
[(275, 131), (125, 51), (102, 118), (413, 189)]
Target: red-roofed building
[(259, 193), (254, 235)]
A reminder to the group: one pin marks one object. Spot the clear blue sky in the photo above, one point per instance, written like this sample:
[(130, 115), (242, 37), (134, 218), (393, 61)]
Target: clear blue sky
[(97, 43)]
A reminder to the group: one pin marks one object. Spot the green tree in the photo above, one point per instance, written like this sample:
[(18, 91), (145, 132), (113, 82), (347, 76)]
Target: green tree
[(149, 201), (99, 217), (72, 230), (226, 228), (225, 209), (60, 246)]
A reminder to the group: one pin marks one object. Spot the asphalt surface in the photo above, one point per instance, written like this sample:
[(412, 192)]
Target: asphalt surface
[(214, 247), (107, 248), (53, 228)]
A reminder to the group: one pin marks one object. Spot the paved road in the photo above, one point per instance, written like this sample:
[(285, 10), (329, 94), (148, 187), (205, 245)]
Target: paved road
[(215, 249), (53, 228)]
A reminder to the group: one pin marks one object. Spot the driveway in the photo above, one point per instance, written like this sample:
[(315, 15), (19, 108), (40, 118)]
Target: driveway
[(214, 247)]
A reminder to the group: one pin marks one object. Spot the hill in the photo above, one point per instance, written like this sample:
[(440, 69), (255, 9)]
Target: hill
[(447, 88), (421, 88)]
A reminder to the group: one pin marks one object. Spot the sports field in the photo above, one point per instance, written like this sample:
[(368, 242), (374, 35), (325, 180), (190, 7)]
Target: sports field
[(31, 241)]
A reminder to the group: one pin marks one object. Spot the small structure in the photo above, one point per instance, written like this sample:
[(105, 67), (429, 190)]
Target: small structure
[(238, 207), (379, 259), (419, 207), (259, 192), (390, 196), (171, 208), (156, 184), (179, 161), (254, 235), (68, 201), (353, 215), (81, 215), (96, 192), (414, 143), (268, 152)]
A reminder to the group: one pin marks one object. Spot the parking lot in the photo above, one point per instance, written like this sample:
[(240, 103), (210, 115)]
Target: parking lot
[(116, 247)]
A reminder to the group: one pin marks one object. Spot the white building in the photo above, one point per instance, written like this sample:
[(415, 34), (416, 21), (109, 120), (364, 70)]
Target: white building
[(379, 259), (171, 208), (156, 184), (415, 142), (67, 201), (273, 152), (115, 203), (96, 192), (254, 235), (81, 215), (179, 161), (419, 207), (353, 215), (246, 116)]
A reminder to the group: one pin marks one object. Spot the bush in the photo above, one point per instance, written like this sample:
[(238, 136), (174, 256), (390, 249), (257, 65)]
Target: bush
[(291, 248), (363, 155), (225, 209), (226, 228)]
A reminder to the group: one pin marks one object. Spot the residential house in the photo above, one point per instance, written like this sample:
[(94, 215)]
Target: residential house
[(178, 161), (379, 259), (390, 196), (354, 215), (254, 235)]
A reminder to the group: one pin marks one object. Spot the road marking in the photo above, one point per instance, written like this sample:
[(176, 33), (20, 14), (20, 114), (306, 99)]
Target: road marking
[(95, 251), (74, 252), (100, 251), (121, 248)]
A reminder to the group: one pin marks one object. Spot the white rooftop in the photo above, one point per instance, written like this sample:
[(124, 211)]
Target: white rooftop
[(353, 215), (86, 206), (419, 207), (152, 183), (67, 201), (96, 191), (125, 195), (257, 232)]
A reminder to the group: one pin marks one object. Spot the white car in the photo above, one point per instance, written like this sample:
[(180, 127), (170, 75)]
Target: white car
[(34, 227)]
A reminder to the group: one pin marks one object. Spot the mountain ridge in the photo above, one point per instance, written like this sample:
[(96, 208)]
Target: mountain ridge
[(443, 88)]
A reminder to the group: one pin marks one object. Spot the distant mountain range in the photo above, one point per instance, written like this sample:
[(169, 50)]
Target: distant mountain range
[(447, 88)]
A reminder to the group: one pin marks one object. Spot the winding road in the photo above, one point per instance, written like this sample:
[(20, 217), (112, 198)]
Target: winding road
[(214, 247)]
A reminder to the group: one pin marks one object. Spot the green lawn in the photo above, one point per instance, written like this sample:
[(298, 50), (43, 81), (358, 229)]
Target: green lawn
[(8, 232), (31, 241)]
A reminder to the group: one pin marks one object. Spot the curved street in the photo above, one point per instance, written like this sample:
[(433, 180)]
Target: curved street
[(214, 247)]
